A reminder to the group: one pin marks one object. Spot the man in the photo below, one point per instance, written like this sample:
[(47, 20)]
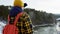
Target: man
[(24, 23)]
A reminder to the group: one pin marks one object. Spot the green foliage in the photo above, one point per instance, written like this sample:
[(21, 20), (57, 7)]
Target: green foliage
[(40, 17), (37, 17), (4, 11)]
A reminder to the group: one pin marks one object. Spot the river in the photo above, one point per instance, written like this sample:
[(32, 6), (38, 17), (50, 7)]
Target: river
[(40, 30), (46, 30)]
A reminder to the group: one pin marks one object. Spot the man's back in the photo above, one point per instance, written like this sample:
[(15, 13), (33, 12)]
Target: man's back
[(24, 24)]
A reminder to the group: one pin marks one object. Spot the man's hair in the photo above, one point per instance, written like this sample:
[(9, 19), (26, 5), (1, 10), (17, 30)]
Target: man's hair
[(25, 4)]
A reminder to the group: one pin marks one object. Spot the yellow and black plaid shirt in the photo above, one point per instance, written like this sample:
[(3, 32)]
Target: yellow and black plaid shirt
[(24, 24)]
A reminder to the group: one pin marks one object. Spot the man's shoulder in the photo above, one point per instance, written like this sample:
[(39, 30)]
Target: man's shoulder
[(26, 14)]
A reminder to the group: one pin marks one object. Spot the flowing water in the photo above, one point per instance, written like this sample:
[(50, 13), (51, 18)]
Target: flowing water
[(41, 30), (46, 30)]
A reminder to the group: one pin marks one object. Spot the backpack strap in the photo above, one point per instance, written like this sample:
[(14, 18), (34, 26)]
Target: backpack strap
[(8, 19), (16, 18)]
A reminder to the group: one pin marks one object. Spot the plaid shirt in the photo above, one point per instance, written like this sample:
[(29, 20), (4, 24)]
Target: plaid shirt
[(24, 24)]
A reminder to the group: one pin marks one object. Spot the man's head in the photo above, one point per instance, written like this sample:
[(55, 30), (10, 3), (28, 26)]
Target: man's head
[(19, 3)]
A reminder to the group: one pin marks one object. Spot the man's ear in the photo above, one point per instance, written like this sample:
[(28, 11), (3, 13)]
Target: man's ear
[(25, 4)]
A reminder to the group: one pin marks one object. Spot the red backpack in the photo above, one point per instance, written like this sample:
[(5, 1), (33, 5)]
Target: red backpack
[(11, 28)]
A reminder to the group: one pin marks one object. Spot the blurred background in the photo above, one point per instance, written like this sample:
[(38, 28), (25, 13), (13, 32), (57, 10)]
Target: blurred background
[(45, 15)]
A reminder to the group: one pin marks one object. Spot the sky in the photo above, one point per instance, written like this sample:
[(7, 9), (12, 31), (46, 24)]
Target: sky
[(50, 6)]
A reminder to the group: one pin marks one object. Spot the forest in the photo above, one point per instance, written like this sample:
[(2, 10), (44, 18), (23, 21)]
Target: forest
[(37, 16)]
